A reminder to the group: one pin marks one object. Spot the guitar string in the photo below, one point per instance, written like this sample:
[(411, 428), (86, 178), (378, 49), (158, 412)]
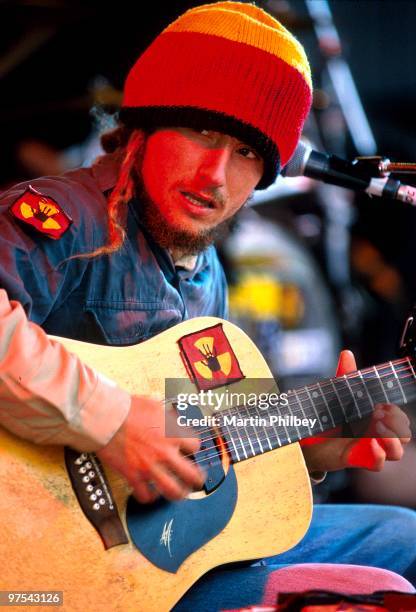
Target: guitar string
[(246, 453), (243, 444), (239, 450), (344, 391), (352, 376), (261, 445), (321, 386), (264, 444)]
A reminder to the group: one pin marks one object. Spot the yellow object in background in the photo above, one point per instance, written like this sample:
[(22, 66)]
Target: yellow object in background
[(262, 296)]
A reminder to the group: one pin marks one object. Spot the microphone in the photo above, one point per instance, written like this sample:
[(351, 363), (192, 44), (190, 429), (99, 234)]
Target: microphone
[(350, 175)]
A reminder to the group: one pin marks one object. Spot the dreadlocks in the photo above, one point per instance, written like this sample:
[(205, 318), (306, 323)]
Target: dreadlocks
[(124, 188)]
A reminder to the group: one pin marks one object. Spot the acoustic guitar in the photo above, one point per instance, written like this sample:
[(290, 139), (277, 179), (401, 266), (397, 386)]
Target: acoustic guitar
[(71, 524)]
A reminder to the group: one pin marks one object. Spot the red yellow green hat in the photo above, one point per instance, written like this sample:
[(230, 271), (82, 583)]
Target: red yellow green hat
[(230, 67)]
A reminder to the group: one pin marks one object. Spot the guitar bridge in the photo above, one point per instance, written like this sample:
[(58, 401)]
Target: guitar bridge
[(93, 492)]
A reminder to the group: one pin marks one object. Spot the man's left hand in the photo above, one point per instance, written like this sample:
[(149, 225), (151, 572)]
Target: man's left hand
[(323, 454)]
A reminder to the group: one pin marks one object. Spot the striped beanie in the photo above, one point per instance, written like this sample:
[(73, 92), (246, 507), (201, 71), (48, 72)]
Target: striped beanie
[(229, 67)]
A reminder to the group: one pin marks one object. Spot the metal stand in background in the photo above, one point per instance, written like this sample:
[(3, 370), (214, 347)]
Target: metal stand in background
[(341, 78), (337, 203)]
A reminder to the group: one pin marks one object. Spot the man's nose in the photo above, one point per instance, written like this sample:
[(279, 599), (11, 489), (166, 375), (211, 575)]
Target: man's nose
[(213, 167)]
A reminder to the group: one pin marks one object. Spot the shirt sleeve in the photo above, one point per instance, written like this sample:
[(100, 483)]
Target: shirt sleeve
[(36, 270), (47, 395)]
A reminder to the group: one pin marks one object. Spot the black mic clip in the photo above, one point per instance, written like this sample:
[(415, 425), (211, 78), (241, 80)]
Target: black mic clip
[(381, 184), (369, 174), (372, 166)]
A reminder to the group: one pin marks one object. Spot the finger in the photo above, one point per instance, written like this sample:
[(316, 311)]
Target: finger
[(388, 440), (167, 484), (190, 473), (144, 492), (190, 445), (346, 363), (392, 447), (388, 418), (365, 453)]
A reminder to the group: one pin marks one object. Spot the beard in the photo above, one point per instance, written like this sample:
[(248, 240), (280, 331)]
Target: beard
[(170, 237)]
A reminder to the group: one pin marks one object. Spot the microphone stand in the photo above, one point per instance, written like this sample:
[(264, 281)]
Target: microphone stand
[(341, 77), (336, 203)]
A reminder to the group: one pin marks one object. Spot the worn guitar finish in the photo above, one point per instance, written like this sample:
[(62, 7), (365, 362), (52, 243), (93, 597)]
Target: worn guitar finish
[(260, 507), (47, 543)]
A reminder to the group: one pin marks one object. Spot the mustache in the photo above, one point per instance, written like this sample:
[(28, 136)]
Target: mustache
[(218, 196), (215, 194)]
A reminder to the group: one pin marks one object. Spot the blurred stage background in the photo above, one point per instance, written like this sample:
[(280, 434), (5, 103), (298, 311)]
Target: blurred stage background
[(312, 268)]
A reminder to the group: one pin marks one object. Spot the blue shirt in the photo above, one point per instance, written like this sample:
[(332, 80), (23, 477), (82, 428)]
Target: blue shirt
[(119, 299)]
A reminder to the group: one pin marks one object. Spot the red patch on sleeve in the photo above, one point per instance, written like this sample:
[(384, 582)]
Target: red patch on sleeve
[(209, 358), (41, 212)]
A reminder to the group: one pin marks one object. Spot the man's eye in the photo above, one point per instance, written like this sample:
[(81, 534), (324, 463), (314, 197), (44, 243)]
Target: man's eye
[(248, 152)]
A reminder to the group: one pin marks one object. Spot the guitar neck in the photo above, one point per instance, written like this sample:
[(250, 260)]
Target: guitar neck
[(316, 408)]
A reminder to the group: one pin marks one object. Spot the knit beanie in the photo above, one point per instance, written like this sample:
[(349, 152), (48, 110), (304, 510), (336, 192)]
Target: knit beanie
[(229, 67)]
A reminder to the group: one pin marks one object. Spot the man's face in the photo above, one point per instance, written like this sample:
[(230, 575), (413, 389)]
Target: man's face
[(193, 182)]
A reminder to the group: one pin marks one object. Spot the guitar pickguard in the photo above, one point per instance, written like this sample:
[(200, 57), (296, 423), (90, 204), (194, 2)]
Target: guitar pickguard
[(166, 533)]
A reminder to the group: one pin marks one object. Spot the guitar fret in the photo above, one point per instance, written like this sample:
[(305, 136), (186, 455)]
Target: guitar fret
[(281, 432), (287, 434), (257, 436), (398, 382), (277, 435), (411, 366), (247, 433), (332, 381), (323, 417), (332, 402), (312, 403), (230, 437), (278, 439), (229, 445), (297, 435), (241, 442), (294, 434), (326, 404), (411, 396), (303, 412), (365, 387), (267, 437), (381, 383), (372, 385), (353, 395)]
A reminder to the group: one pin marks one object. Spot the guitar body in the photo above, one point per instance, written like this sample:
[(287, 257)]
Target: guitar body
[(47, 543)]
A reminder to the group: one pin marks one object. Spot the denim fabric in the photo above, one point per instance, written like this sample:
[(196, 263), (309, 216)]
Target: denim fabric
[(120, 299), (379, 536)]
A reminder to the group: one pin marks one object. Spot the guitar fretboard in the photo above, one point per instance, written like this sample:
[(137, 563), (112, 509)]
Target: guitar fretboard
[(249, 431)]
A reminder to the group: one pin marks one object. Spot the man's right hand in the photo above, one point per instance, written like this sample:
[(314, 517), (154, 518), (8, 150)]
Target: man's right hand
[(152, 463)]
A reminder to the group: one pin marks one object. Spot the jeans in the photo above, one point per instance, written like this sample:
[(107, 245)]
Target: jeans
[(380, 536)]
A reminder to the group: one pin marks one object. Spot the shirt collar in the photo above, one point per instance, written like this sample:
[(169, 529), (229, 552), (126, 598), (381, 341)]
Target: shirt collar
[(105, 169)]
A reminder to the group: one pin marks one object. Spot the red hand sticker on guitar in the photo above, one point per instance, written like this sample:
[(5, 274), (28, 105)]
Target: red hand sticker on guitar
[(209, 358)]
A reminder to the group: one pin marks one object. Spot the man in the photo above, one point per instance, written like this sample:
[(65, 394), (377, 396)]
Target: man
[(121, 251)]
